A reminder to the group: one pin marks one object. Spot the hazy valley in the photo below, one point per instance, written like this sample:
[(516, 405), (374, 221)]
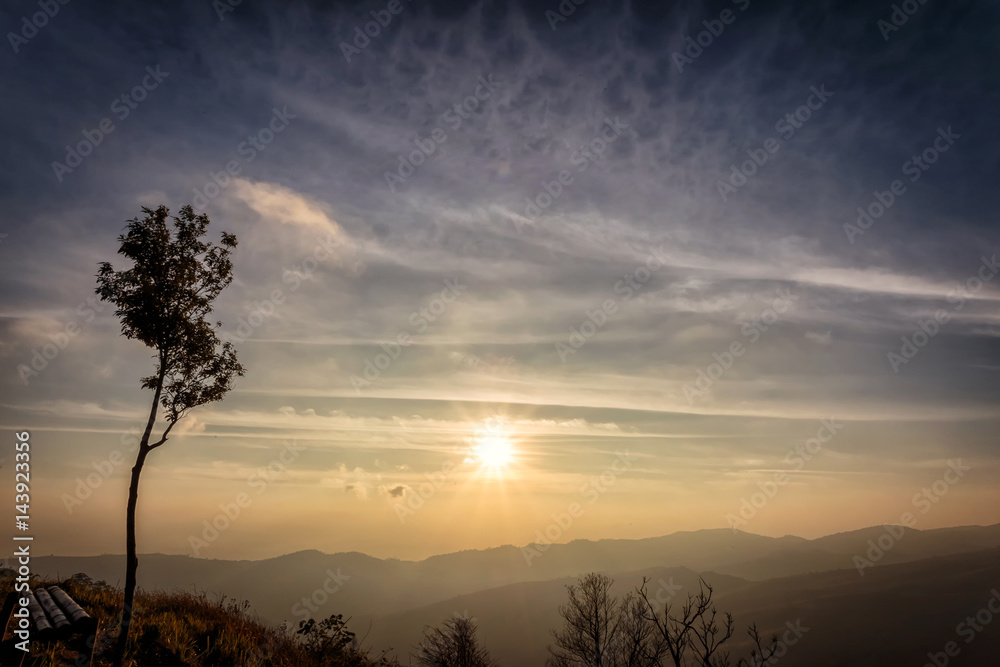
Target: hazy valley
[(909, 600)]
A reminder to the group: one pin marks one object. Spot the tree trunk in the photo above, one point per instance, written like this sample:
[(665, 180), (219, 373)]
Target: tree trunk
[(131, 558)]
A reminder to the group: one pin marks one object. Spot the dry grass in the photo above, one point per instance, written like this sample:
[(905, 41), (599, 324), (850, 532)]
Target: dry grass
[(179, 629)]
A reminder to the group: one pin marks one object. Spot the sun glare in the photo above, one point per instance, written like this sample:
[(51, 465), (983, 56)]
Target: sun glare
[(494, 451)]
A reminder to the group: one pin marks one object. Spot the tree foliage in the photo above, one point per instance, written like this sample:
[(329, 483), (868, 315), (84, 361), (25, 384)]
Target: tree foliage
[(163, 301), (330, 643), (329, 636)]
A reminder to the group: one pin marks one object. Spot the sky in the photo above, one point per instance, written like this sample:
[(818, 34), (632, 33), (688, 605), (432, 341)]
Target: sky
[(510, 272)]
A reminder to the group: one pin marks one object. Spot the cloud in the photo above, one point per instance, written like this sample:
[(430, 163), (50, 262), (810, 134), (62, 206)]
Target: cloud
[(457, 218), (354, 480), (189, 425), (280, 204), (824, 338), (359, 490)]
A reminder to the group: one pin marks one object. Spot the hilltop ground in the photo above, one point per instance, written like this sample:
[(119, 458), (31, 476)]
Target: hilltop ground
[(186, 629)]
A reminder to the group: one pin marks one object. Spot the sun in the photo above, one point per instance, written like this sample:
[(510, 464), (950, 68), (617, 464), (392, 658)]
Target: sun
[(494, 451)]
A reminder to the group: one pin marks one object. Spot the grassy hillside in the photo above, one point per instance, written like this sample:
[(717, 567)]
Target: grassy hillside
[(185, 629)]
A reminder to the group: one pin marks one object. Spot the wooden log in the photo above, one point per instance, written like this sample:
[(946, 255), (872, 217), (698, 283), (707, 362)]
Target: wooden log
[(54, 614), (59, 621), (80, 619), (43, 628)]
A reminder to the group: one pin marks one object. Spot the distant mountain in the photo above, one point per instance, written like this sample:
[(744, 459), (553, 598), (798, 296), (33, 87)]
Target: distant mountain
[(367, 586), (838, 551), (892, 615), (515, 620)]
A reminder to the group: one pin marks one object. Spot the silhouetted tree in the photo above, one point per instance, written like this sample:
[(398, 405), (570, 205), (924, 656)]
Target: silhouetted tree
[(331, 644), (601, 630), (454, 646), (163, 301), (693, 636), (329, 636), (638, 644)]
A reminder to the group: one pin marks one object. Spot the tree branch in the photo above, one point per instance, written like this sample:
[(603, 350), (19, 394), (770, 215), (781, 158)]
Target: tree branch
[(163, 438)]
